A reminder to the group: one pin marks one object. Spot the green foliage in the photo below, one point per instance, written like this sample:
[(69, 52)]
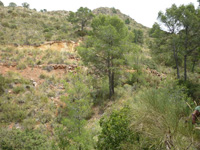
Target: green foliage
[(48, 36), (139, 36), (150, 63), (136, 79), (18, 89), (1, 3), (13, 26), (114, 10), (193, 89), (104, 50), (25, 5), (78, 105), (11, 112), (115, 130), (162, 113), (181, 40), (127, 21), (12, 4), (2, 84), (22, 140), (21, 66), (5, 24), (100, 92), (81, 18), (42, 76), (33, 24), (155, 31)]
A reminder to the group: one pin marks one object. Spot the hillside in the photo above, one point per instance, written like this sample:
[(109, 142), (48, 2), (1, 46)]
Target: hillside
[(114, 87), (112, 11), (25, 26)]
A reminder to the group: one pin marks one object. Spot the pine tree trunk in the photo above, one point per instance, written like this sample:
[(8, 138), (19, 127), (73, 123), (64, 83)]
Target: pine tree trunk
[(110, 83), (185, 67), (113, 84), (109, 76), (82, 26), (193, 65), (176, 60), (79, 147)]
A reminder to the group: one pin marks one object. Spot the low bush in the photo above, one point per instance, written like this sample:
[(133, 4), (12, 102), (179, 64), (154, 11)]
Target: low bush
[(23, 140), (21, 66), (100, 92), (18, 89), (11, 112), (2, 84), (193, 89), (160, 116), (115, 130), (42, 76)]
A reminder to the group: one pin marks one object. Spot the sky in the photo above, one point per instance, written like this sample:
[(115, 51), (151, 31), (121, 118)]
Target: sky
[(142, 11)]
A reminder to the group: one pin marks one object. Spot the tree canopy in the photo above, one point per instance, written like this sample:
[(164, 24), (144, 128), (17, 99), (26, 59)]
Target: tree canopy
[(81, 18), (1, 3), (104, 50), (12, 4), (182, 36), (25, 5)]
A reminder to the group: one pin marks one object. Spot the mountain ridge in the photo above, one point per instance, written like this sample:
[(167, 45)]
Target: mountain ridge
[(27, 26)]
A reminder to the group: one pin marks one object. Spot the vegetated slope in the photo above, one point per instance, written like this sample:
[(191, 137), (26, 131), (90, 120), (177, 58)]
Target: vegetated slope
[(132, 25), (112, 11), (25, 26), (34, 78)]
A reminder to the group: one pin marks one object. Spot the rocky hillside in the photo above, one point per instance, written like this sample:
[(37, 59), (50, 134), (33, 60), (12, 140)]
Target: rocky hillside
[(24, 26), (132, 24)]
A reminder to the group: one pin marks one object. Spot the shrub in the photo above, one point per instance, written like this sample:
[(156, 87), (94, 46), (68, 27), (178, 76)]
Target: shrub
[(48, 36), (127, 21), (45, 117), (2, 84), (193, 89), (29, 123), (11, 112), (46, 30), (12, 4), (137, 77), (13, 26), (48, 68), (150, 63), (23, 140), (162, 114), (18, 89), (100, 93), (114, 10), (25, 5), (42, 76), (1, 3), (115, 130), (5, 24), (51, 94), (21, 66)]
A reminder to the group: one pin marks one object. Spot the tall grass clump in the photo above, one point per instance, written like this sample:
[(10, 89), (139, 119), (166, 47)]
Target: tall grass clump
[(161, 117)]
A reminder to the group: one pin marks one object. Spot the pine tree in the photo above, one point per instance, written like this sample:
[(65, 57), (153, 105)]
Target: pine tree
[(104, 50), (74, 135)]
